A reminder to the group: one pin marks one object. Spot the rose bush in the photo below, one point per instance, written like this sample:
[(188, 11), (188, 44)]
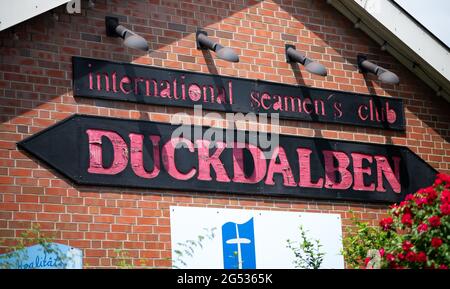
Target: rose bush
[(418, 229), (416, 233)]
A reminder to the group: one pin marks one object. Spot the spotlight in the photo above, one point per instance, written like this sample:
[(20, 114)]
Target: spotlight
[(439, 92), (384, 46), (384, 75), (314, 67), (130, 39), (358, 24), (225, 53), (91, 4)]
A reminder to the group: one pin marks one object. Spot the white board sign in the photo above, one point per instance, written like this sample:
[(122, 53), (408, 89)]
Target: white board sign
[(211, 238)]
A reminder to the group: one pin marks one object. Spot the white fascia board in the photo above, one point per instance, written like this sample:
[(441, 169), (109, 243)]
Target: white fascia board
[(410, 33), (13, 12), (416, 62)]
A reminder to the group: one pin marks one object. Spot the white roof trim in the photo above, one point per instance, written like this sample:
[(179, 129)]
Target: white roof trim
[(407, 40), (13, 12)]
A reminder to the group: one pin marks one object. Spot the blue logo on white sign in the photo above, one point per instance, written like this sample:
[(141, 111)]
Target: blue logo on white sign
[(238, 241)]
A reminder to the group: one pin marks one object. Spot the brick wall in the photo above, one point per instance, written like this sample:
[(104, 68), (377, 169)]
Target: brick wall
[(35, 92)]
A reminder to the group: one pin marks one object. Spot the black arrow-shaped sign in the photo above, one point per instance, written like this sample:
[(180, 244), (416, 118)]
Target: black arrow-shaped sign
[(91, 150)]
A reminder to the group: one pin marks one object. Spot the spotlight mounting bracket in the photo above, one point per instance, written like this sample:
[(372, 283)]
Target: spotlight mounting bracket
[(111, 23), (360, 59), (199, 45), (288, 58), (207, 42)]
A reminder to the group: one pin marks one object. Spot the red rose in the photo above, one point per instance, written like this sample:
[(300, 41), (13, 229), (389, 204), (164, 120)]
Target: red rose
[(407, 245), (403, 203), (386, 223), (444, 178), (422, 228), (395, 209), (381, 251), (443, 266), (409, 198), (390, 257), (431, 195), (366, 261), (441, 176), (445, 197), (445, 209), (436, 242), (407, 219), (401, 256), (437, 182), (410, 256), (393, 265), (421, 201), (434, 221), (421, 257)]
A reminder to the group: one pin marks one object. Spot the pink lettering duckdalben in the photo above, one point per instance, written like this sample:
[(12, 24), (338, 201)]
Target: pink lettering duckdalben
[(335, 163)]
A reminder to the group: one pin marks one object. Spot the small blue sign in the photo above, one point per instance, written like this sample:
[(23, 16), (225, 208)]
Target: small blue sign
[(48, 256), (238, 241)]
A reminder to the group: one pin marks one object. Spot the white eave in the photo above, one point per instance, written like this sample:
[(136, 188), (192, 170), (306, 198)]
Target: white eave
[(408, 41), (13, 12)]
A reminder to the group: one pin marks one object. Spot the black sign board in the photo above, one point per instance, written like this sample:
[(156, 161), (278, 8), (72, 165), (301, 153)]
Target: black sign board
[(151, 85), (92, 150)]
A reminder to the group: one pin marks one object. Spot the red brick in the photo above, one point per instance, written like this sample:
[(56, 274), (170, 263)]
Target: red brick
[(47, 217), (120, 228), (24, 216), (131, 212), (56, 73), (81, 218), (100, 227), (95, 236), (54, 208), (104, 219), (147, 221), (81, 244), (9, 207), (116, 236), (95, 253), (50, 199), (67, 226), (150, 254), (125, 220), (27, 198)]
